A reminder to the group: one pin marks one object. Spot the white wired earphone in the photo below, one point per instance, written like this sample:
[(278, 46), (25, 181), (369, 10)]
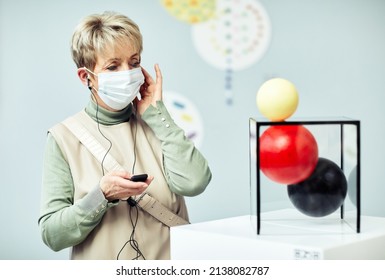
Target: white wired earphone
[(134, 244)]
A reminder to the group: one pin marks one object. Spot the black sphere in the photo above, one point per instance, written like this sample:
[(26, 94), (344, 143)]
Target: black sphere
[(322, 193)]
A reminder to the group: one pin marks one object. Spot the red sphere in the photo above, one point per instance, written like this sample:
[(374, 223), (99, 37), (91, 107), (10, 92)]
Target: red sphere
[(288, 153)]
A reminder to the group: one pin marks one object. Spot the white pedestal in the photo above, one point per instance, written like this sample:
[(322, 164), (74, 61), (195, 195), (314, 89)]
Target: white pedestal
[(284, 235)]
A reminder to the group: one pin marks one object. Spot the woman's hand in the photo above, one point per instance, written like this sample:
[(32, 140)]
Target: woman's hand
[(150, 91), (117, 185)]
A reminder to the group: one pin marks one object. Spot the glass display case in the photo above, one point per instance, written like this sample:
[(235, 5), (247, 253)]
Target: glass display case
[(311, 166)]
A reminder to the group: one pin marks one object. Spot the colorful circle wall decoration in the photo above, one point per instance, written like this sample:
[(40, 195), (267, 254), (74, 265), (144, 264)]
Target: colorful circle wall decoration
[(236, 38), (185, 115), (190, 11)]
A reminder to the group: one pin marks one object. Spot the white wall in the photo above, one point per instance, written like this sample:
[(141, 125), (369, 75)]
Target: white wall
[(332, 50)]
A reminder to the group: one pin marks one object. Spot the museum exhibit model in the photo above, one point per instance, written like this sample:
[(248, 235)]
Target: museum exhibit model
[(316, 161)]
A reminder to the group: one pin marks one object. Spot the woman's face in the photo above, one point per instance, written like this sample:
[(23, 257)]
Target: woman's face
[(116, 58)]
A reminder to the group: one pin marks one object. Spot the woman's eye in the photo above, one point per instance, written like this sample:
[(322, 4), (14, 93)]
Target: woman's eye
[(112, 68), (135, 64)]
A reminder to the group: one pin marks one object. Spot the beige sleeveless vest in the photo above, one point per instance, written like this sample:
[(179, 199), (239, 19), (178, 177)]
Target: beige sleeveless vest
[(106, 240)]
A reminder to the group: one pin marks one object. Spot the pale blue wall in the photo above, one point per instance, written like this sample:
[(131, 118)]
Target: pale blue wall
[(332, 50)]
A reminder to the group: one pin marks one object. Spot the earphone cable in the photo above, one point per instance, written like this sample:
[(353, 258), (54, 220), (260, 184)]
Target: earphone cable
[(134, 161), (133, 243), (100, 131)]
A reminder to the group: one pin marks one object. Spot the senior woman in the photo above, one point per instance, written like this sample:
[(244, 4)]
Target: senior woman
[(90, 205)]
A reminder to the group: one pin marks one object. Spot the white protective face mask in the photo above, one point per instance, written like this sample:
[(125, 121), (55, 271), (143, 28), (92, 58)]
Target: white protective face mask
[(119, 89)]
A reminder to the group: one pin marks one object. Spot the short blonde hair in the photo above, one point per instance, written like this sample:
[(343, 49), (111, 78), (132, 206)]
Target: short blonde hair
[(97, 32)]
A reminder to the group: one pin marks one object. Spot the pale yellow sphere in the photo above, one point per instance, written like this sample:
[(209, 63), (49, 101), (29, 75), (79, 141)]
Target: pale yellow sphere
[(277, 99)]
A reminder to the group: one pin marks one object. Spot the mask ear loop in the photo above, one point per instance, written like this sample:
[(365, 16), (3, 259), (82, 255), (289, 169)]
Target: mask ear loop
[(89, 71)]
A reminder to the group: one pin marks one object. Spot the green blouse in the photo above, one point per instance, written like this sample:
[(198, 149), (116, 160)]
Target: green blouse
[(187, 174)]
